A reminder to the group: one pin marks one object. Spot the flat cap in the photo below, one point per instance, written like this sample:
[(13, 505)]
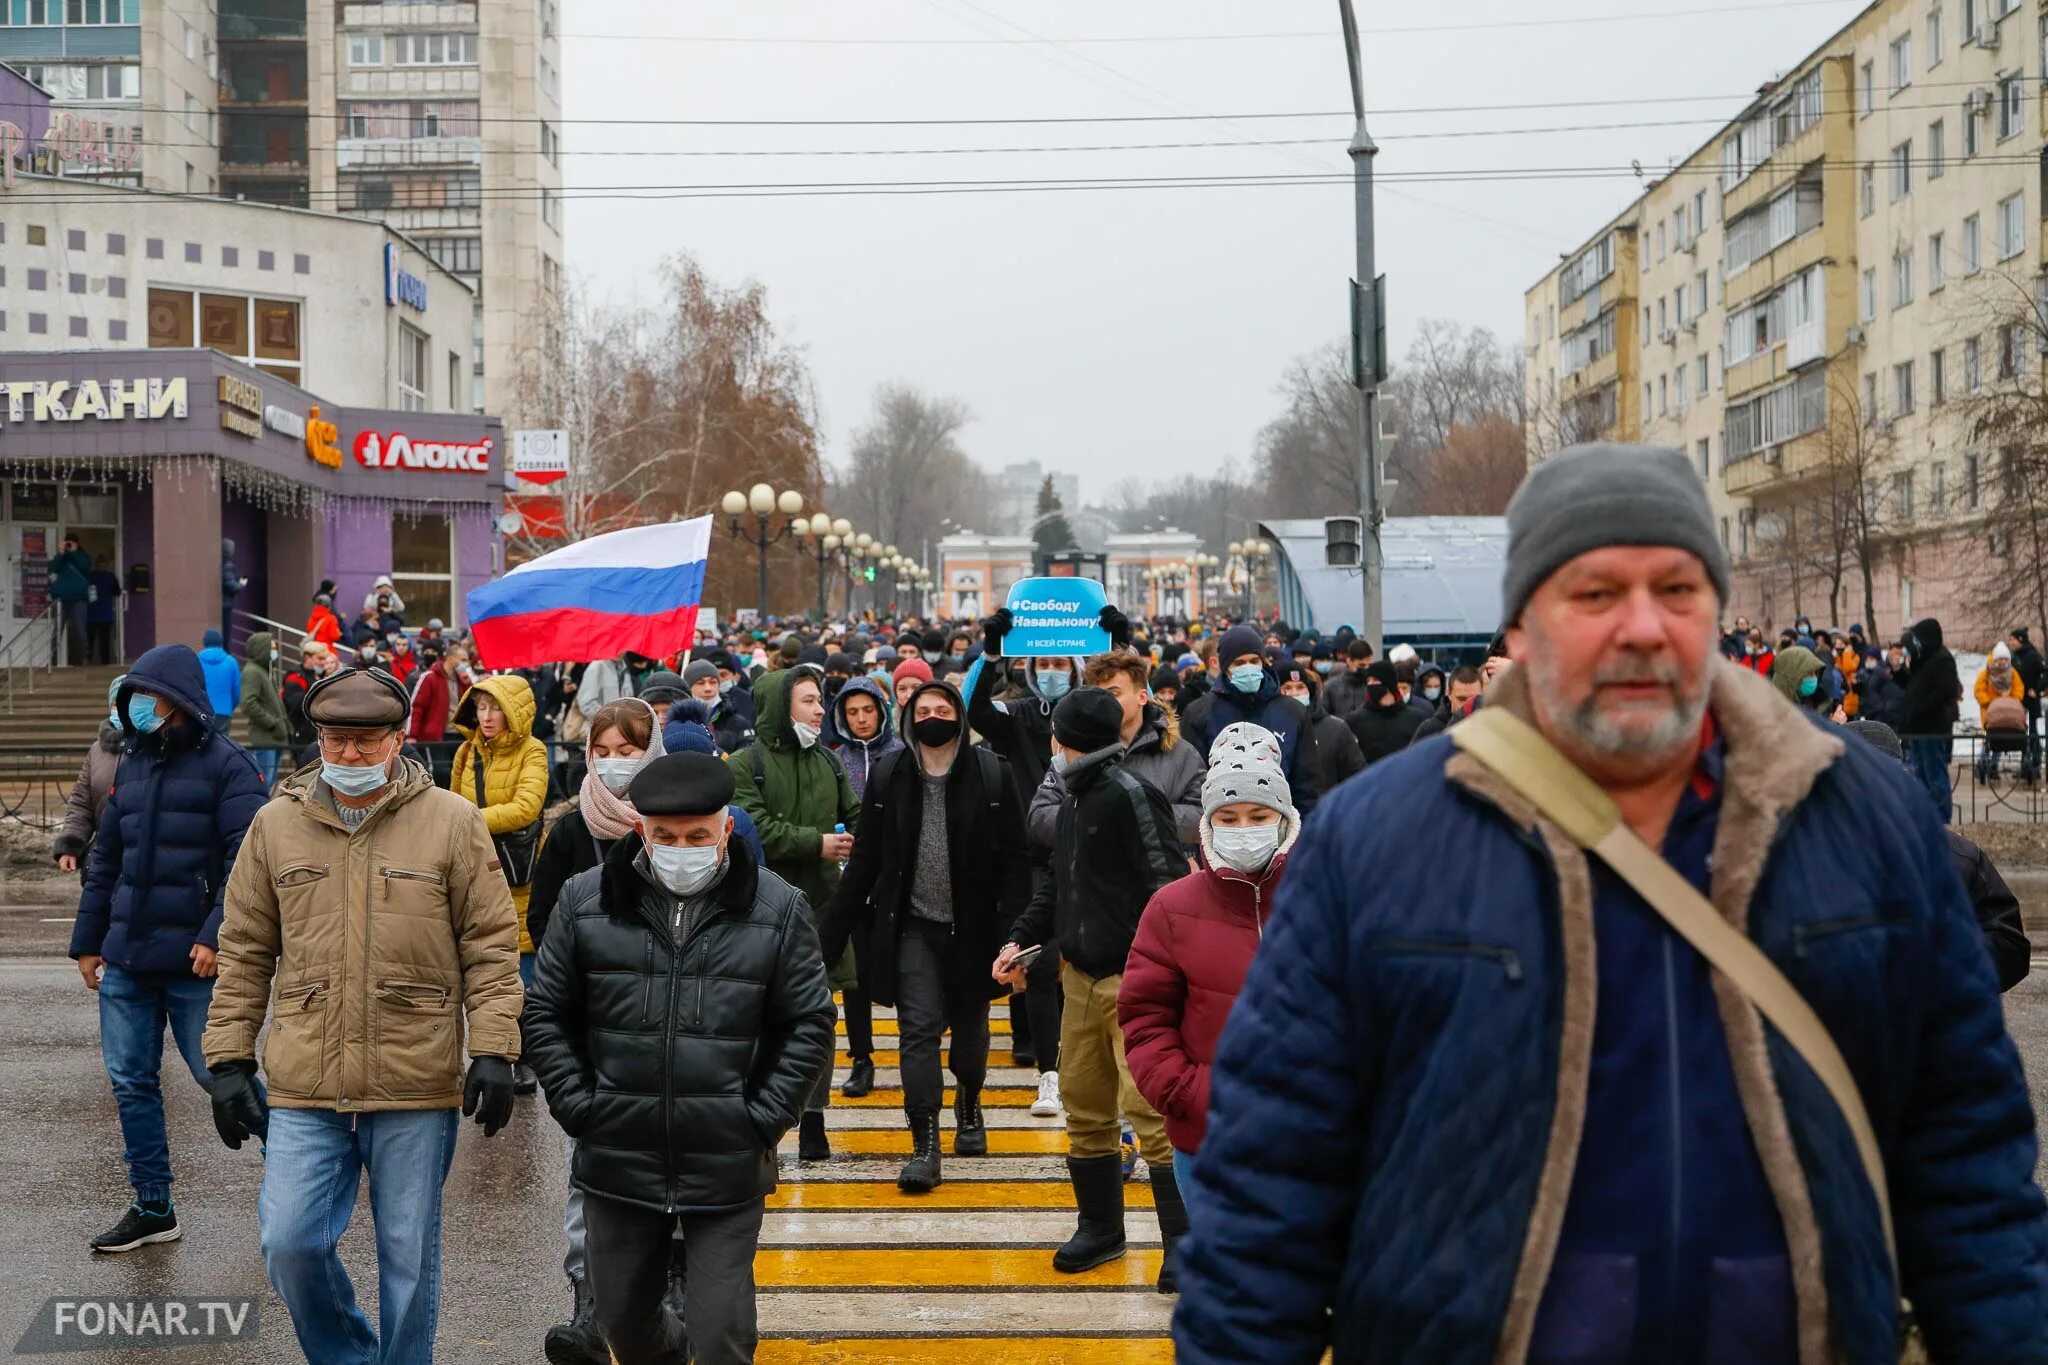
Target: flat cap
[(358, 698), (682, 784)]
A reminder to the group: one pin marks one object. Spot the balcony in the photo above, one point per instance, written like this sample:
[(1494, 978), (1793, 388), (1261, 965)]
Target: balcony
[(362, 153), (1777, 467), (263, 21)]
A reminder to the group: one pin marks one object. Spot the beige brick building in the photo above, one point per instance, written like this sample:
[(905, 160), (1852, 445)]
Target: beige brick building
[(1817, 305)]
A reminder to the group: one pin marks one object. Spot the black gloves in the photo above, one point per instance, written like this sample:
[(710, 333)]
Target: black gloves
[(1119, 627), (488, 1093), (239, 1110), (992, 632)]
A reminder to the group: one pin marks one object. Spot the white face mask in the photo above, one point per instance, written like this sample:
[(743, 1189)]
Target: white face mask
[(684, 869), (1246, 848), (806, 735), (615, 773)]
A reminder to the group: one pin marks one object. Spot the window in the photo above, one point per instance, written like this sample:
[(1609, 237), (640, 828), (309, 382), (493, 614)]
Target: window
[(1971, 135), (1902, 62), (1866, 92), (1745, 518), (433, 49), (1701, 381), (454, 376), (548, 84), (1902, 170), (424, 189), (1869, 398), (1703, 456), (1660, 241), (1902, 494), (2009, 347), (1972, 246), (1678, 304), (1937, 378), (99, 12), (461, 255), (1663, 394), (256, 331), (551, 207), (1869, 301), (1699, 293), (1902, 388), (366, 49), (1679, 234), (1699, 211), (2012, 227), (1970, 16), (1678, 389), (1973, 365), (1867, 189), (1937, 269), (2011, 107), (423, 564), (1934, 36), (1972, 489), (1587, 269), (550, 143), (1937, 488), (1902, 278), (412, 369), (1647, 391), (1646, 329), (1663, 315), (1937, 149)]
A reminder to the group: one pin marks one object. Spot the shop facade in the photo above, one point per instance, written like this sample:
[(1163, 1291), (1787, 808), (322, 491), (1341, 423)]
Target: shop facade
[(154, 458)]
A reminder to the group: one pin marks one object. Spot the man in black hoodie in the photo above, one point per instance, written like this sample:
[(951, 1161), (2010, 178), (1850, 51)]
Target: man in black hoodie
[(1387, 723), (2033, 671), (1927, 712)]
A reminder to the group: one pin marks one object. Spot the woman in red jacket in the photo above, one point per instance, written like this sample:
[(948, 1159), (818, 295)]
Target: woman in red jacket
[(1196, 939)]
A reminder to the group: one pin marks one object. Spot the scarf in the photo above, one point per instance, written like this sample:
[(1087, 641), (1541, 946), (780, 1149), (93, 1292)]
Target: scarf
[(606, 816)]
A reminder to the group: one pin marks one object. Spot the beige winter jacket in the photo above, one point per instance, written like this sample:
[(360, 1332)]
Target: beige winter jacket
[(367, 950)]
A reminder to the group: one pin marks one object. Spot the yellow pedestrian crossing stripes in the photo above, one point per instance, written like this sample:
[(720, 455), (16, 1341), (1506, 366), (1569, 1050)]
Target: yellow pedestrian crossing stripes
[(896, 1141), (948, 1267), (954, 1194)]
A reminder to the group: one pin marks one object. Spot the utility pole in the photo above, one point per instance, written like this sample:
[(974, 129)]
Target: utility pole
[(1368, 343)]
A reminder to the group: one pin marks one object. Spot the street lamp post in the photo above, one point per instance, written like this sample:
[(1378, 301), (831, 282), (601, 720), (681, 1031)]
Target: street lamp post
[(1205, 574), (1368, 312), (1249, 553), (763, 501), (825, 536)]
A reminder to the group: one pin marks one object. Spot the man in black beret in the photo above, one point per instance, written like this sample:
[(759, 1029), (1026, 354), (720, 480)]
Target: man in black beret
[(701, 1084)]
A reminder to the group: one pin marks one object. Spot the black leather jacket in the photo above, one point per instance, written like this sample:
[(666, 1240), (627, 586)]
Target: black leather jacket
[(678, 1058)]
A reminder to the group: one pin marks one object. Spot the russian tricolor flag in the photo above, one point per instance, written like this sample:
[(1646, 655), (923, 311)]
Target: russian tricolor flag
[(628, 590)]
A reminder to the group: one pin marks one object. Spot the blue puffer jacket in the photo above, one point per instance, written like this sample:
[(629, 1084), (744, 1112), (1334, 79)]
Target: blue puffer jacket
[(1216, 712), (182, 799), (1396, 1104)]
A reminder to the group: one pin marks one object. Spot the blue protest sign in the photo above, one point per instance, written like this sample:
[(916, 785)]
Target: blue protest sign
[(1055, 617)]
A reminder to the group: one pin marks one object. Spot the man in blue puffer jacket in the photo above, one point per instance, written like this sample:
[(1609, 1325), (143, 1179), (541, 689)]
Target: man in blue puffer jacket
[(1248, 692), (149, 919), (1477, 1102)]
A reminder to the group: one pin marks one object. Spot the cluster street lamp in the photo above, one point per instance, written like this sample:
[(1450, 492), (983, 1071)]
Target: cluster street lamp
[(764, 502), (1171, 581), (1248, 554), (1203, 566), (826, 538)]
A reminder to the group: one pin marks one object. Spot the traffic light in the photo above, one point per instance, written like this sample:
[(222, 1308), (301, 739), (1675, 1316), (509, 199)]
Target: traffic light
[(869, 573)]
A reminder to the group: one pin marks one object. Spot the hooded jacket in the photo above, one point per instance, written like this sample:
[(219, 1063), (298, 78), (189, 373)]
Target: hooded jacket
[(990, 868), (1194, 945), (1928, 708), (1156, 756), (88, 795), (860, 756), (1385, 730), (372, 952), (223, 678), (1019, 728), (796, 795), (514, 766), (1114, 845), (1266, 708), (182, 800), (1791, 668), (262, 701), (678, 1041), (1427, 1049)]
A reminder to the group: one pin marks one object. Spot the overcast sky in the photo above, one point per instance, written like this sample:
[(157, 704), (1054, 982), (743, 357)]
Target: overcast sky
[(1132, 331)]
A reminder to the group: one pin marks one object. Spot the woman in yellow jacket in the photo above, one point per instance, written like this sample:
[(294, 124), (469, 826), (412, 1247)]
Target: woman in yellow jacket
[(496, 721)]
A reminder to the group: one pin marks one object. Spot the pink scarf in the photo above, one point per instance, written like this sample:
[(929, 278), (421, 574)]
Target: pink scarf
[(607, 816)]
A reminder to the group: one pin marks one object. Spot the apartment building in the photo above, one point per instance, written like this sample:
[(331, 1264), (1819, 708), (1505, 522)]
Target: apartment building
[(1823, 294), (441, 118)]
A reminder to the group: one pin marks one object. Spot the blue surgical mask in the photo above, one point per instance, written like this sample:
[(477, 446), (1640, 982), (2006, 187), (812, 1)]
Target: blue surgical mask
[(726, 685), (1059, 764), (1054, 683), (1247, 677), (142, 713), (1323, 666), (1809, 685), (348, 780)]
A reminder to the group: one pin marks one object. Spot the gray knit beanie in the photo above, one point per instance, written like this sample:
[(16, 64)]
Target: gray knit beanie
[(1246, 764), (1589, 497)]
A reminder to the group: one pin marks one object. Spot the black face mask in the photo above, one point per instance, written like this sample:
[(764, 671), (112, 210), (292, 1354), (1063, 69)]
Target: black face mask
[(832, 686), (935, 732)]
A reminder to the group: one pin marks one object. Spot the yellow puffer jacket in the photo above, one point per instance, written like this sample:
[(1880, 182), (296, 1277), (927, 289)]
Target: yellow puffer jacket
[(515, 768)]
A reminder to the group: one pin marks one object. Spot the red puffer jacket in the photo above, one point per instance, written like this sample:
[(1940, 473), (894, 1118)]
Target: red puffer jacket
[(1194, 945)]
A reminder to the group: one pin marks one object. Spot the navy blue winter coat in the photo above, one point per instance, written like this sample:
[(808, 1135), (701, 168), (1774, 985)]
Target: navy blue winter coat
[(1210, 716), (182, 799), (1396, 1103)]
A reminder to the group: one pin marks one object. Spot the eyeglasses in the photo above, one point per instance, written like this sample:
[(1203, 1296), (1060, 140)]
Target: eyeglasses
[(362, 746)]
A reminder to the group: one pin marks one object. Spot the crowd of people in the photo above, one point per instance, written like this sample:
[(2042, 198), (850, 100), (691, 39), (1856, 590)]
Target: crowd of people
[(1410, 1070)]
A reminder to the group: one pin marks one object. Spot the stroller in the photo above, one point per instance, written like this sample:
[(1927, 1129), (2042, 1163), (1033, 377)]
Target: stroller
[(2005, 732)]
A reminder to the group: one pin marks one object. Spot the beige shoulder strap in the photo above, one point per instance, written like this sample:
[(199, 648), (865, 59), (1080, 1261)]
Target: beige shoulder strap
[(1533, 766)]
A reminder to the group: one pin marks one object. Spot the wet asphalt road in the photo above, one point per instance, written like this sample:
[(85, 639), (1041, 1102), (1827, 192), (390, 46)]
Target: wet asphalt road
[(61, 1180)]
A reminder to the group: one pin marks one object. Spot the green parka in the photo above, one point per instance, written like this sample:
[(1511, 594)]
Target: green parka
[(262, 701), (799, 796)]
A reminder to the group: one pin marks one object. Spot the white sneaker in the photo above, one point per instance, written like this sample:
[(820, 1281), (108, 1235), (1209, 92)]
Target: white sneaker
[(1047, 1105)]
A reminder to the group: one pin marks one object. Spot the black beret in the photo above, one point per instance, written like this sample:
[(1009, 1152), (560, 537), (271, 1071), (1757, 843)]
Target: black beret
[(682, 784), (359, 699)]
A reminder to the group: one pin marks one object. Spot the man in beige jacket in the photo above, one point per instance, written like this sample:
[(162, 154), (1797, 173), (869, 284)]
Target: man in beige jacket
[(367, 917)]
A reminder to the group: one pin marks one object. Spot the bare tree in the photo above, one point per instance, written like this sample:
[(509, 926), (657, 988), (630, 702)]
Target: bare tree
[(1307, 461), (1476, 469), (1452, 377), (1834, 517), (2008, 422), (906, 474)]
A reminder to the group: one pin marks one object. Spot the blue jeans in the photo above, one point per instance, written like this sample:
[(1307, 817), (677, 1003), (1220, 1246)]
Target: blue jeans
[(266, 764), (134, 1006), (314, 1164), (526, 961), (1929, 760)]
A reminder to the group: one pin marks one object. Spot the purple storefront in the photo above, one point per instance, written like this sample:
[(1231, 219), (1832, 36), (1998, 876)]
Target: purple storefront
[(153, 459)]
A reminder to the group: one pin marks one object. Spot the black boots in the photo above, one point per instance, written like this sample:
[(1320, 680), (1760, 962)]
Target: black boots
[(1173, 1222), (577, 1341), (1099, 1193), (970, 1137), (860, 1082), (811, 1142), (921, 1174)]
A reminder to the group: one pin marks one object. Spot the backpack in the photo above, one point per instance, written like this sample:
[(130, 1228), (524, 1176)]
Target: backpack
[(760, 765), (991, 774)]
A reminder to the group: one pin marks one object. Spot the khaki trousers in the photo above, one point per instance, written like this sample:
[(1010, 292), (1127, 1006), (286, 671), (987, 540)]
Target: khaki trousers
[(1095, 1082)]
